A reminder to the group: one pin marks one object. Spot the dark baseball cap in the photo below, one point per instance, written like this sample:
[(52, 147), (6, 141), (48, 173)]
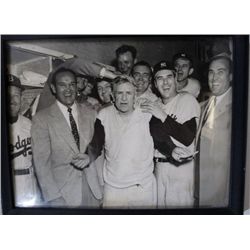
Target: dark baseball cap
[(182, 55), (14, 81), (163, 65)]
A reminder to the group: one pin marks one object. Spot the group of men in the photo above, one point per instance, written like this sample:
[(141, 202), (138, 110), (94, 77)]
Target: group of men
[(148, 143)]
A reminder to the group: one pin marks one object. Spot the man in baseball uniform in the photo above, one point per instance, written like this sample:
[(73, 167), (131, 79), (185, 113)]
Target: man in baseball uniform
[(183, 65), (175, 182), (25, 184)]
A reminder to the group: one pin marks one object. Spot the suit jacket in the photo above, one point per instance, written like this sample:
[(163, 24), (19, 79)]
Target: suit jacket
[(53, 148), (215, 153)]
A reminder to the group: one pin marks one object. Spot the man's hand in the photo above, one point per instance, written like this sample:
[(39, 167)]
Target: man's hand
[(154, 109), (182, 154), (80, 160)]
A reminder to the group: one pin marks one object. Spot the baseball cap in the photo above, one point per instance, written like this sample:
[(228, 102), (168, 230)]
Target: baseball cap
[(163, 65), (14, 81), (182, 55)]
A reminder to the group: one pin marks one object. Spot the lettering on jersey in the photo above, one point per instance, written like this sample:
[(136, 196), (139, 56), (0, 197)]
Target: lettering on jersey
[(174, 116), (21, 147)]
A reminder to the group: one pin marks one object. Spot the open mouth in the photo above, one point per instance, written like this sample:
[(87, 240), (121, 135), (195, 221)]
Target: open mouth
[(67, 95), (166, 89), (215, 85)]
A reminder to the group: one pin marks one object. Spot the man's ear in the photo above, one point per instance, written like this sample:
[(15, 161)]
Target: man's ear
[(231, 77), (191, 71), (155, 84), (135, 60), (53, 88)]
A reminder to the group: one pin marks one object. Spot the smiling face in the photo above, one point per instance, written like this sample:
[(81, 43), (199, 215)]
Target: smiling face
[(15, 100), (124, 97), (142, 76), (125, 62), (104, 91), (64, 88), (219, 76), (183, 69), (165, 83), (81, 83)]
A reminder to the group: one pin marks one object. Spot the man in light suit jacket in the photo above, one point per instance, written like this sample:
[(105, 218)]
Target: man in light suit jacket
[(60, 136), (214, 136)]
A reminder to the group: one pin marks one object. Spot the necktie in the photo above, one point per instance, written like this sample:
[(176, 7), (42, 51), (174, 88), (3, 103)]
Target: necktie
[(74, 128)]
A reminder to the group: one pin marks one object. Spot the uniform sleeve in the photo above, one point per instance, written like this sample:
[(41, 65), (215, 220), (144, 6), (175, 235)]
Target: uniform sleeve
[(164, 147), (184, 133), (96, 145), (41, 147), (188, 108)]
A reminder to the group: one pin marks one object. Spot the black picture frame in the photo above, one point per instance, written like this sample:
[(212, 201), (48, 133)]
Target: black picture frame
[(238, 149)]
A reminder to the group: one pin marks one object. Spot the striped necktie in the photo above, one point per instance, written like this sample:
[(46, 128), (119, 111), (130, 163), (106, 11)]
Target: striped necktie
[(74, 128)]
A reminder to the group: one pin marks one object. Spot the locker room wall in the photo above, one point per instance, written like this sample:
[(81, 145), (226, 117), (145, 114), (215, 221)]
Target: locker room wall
[(151, 49)]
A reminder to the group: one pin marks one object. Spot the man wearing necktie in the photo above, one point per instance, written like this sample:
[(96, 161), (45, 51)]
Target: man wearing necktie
[(60, 135), (214, 136)]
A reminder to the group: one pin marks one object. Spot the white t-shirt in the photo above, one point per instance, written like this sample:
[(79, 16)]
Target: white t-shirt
[(128, 147)]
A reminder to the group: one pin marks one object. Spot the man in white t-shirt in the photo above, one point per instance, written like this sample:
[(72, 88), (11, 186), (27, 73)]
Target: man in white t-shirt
[(124, 134)]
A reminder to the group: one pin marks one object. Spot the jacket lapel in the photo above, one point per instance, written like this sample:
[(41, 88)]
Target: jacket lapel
[(62, 127), (224, 105), (86, 128)]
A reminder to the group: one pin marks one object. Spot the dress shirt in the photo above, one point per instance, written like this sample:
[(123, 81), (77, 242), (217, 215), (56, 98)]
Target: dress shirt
[(64, 110)]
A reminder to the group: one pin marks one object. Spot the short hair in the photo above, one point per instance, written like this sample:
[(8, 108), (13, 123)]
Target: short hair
[(120, 80), (61, 70), (143, 63), (228, 59), (126, 48)]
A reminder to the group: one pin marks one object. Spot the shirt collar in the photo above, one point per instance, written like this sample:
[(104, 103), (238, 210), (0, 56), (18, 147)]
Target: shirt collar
[(220, 97), (65, 108)]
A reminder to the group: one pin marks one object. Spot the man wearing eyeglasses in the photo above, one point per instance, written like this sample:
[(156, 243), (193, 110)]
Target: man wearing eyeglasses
[(60, 135)]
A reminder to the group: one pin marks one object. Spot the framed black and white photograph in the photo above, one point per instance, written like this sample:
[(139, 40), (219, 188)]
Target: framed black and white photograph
[(128, 124)]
